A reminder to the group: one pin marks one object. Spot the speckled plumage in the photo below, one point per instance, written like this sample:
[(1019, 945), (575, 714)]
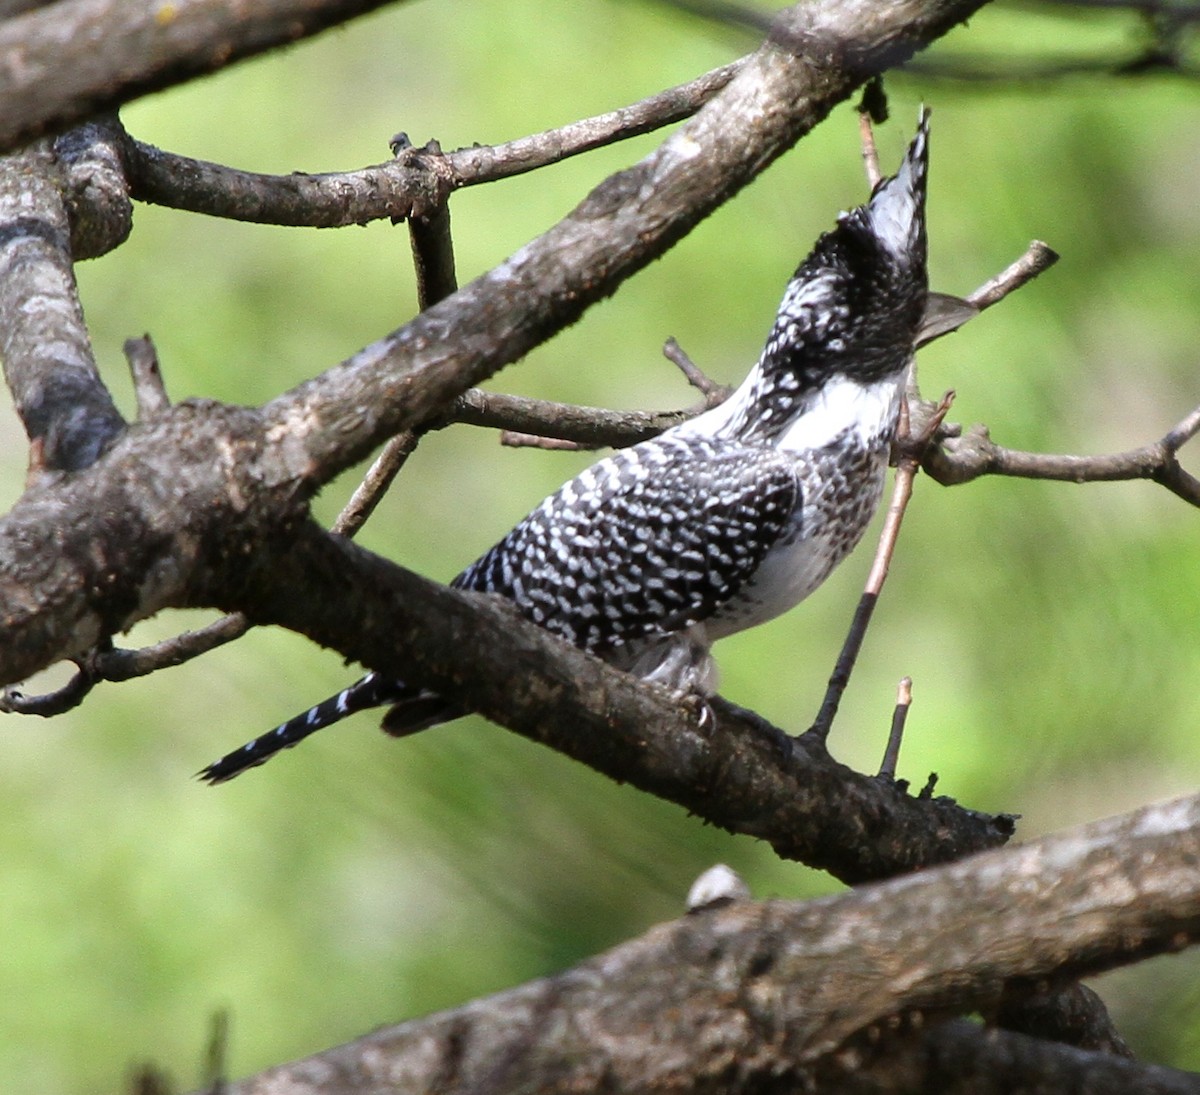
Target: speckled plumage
[(727, 520)]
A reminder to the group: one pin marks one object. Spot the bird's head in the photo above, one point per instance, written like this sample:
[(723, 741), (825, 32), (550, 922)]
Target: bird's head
[(854, 306)]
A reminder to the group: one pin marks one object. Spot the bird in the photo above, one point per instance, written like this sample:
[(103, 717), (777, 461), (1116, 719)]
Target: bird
[(726, 520)]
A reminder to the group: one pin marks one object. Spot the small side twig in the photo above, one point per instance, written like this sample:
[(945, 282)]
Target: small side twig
[(891, 755), (375, 483), (148, 386), (515, 439), (48, 704), (1038, 258), (714, 394)]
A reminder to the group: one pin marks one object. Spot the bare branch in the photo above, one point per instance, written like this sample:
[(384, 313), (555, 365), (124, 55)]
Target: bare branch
[(891, 755), (587, 427), (416, 183), (482, 164), (1038, 258), (945, 313), (626, 222), (375, 483), (47, 355), (50, 704), (97, 193), (747, 776), (961, 459), (433, 255), (669, 1011), (870, 153), (714, 394)]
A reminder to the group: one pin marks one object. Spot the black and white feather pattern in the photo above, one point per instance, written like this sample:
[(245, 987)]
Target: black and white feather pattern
[(723, 522)]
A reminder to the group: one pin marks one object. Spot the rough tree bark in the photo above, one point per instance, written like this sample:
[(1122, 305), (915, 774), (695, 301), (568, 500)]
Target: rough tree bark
[(204, 504)]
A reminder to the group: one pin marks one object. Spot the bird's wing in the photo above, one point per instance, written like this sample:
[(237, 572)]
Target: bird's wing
[(644, 543)]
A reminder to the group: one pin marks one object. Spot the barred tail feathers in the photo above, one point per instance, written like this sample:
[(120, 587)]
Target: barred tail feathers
[(373, 690)]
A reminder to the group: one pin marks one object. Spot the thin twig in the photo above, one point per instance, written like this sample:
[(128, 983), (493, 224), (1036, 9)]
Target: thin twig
[(1038, 258), (148, 386), (515, 439), (891, 755), (714, 393), (414, 183), (1180, 434), (870, 153), (946, 313), (375, 483)]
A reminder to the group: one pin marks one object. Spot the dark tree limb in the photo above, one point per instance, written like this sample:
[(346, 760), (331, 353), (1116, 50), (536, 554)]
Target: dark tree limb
[(62, 78), (745, 776), (846, 992), (67, 413), (899, 1057)]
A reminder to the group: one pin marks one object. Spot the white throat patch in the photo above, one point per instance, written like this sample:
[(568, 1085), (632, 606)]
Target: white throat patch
[(843, 405)]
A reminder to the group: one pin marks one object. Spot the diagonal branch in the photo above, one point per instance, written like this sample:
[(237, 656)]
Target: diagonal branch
[(731, 998), (745, 776), (630, 219)]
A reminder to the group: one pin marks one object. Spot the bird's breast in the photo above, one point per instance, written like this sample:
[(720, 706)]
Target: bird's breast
[(841, 486)]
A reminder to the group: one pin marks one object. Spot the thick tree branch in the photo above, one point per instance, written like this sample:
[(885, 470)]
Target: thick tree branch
[(412, 375), (53, 74), (745, 776), (66, 410), (727, 998)]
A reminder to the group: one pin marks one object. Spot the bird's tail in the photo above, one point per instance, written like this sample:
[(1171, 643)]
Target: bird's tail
[(373, 690)]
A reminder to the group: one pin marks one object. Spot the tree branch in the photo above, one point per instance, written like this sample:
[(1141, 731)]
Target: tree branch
[(415, 183), (799, 992), (67, 413), (412, 375), (96, 191), (62, 78), (961, 459), (745, 776)]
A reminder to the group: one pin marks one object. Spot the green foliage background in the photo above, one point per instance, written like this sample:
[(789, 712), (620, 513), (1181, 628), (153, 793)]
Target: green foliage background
[(1051, 629)]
